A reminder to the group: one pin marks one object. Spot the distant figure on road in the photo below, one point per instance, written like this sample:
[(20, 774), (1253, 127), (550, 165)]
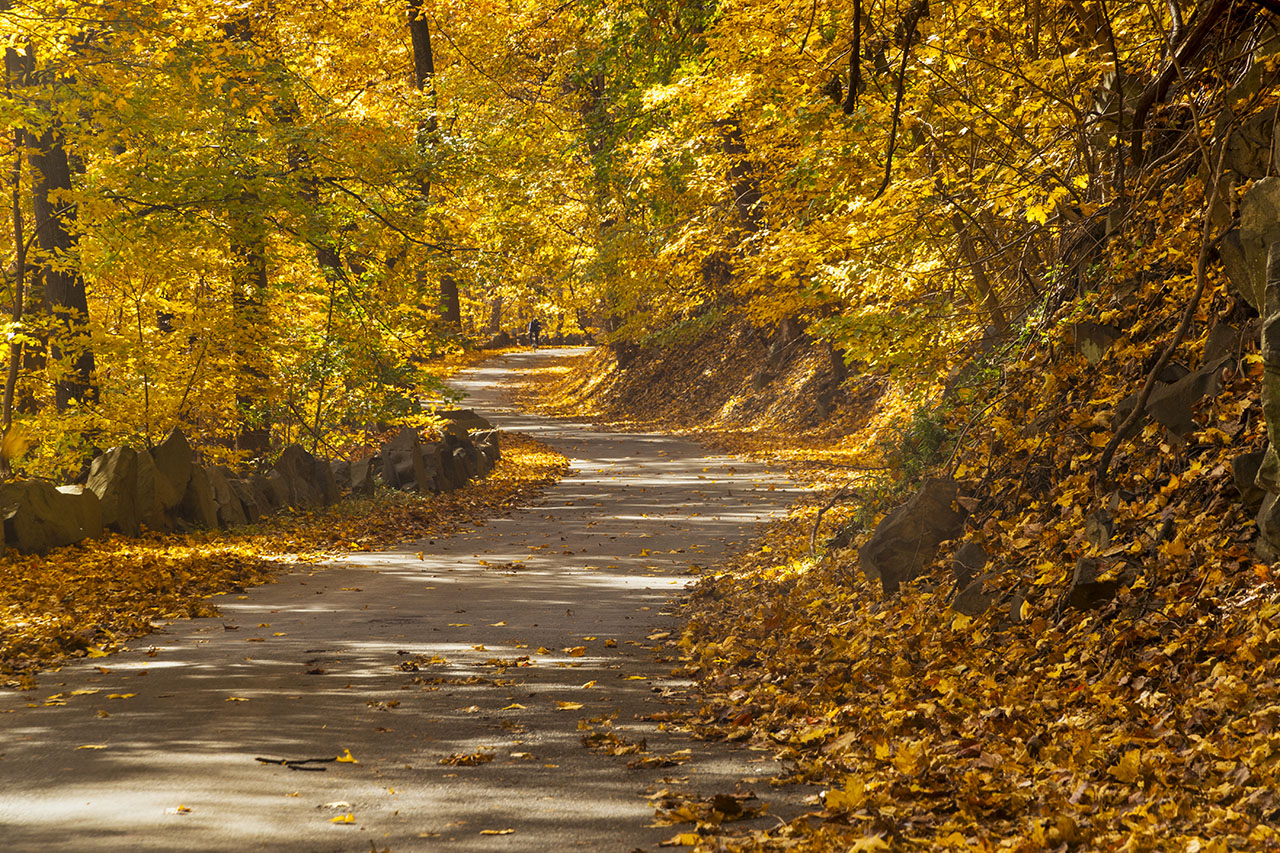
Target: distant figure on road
[(535, 332)]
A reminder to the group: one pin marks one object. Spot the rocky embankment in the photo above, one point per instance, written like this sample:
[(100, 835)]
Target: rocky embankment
[(166, 488)]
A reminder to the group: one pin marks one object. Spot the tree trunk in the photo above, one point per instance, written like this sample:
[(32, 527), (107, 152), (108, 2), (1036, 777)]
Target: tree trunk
[(495, 315), (986, 293), (250, 333), (64, 296), (747, 197), (249, 284), (424, 77), (450, 303)]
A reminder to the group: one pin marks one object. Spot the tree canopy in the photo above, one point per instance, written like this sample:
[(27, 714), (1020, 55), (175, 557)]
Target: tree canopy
[(256, 219)]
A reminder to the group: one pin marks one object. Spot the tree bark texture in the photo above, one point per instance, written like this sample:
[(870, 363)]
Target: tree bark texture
[(64, 294), (747, 197)]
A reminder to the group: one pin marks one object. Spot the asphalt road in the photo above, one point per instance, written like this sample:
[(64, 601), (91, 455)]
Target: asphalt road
[(510, 625)]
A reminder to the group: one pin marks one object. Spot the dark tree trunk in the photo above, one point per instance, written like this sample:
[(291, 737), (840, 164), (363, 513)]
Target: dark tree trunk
[(495, 315), (248, 301), (424, 77), (855, 60), (64, 297), (450, 303), (742, 177), (249, 283)]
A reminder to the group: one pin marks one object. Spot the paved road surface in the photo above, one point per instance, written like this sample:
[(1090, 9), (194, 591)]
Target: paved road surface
[(309, 667)]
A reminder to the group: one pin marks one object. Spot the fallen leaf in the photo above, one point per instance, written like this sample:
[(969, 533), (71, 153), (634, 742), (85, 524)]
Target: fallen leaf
[(471, 759), (568, 706), (347, 757)]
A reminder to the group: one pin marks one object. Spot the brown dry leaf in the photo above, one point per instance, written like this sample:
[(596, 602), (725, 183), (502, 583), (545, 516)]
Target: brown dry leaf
[(459, 759)]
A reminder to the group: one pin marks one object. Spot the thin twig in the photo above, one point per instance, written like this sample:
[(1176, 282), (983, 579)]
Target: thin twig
[(817, 522)]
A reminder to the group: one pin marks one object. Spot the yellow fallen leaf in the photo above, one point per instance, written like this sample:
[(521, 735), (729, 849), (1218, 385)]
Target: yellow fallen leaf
[(93, 746), (85, 692), (1129, 768), (543, 650), (514, 706), (347, 757), (852, 796), (95, 652), (497, 624), (681, 839), (343, 818), (868, 842), (459, 624), (236, 699), (576, 651), (178, 810), (121, 695), (496, 831), (568, 706), (589, 684), (661, 635)]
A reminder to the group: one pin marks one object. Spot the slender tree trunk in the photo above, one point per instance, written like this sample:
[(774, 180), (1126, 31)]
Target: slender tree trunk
[(855, 61), (986, 293), (251, 331), (14, 69), (19, 281), (249, 283), (424, 76)]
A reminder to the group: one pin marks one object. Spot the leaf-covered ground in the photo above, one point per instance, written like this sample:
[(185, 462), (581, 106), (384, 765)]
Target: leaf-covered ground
[(88, 599), (1147, 723)]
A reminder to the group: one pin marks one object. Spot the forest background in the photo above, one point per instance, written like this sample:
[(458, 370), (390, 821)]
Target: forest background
[(254, 220)]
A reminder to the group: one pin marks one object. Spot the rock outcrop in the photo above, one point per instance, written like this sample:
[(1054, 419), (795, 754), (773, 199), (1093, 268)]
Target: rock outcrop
[(908, 538), (39, 516)]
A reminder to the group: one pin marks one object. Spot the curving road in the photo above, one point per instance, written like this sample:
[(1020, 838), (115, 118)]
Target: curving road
[(405, 658)]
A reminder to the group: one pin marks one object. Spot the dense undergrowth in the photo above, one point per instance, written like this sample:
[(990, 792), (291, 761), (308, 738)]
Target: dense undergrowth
[(1147, 722), (92, 598)]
